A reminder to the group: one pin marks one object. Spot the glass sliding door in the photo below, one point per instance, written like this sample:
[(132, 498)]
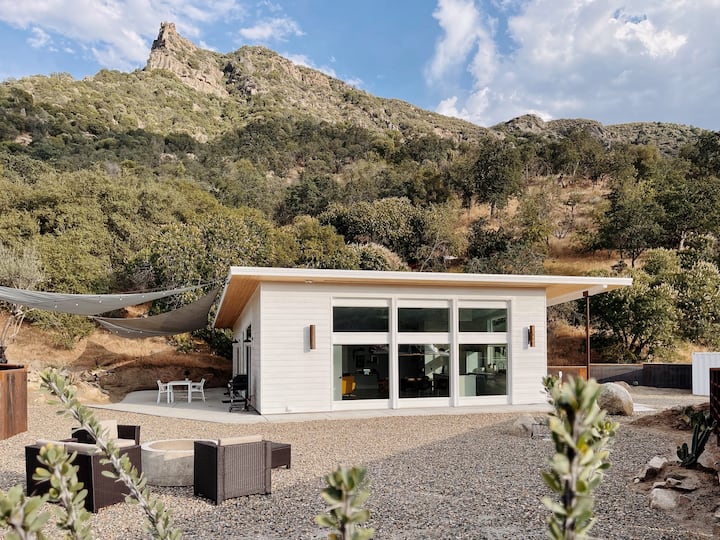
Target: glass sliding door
[(483, 369), (482, 361), (423, 370), (360, 372), (423, 361), (360, 350)]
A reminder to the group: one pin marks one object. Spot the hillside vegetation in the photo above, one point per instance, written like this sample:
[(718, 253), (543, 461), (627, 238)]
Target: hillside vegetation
[(166, 176)]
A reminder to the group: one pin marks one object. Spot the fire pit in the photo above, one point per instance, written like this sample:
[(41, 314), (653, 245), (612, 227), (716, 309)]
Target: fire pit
[(168, 462)]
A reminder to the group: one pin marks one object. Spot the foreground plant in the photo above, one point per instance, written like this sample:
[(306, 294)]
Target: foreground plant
[(345, 495), (57, 468), (580, 433), (158, 519), (22, 514), (703, 426)]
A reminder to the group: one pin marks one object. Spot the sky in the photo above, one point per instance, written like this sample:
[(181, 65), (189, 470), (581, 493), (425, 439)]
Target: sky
[(486, 61)]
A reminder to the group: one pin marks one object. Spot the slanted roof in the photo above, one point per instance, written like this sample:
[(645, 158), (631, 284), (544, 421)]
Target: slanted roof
[(243, 280)]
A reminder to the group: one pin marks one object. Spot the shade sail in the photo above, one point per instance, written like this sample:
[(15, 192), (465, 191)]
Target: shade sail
[(82, 304), (185, 319)]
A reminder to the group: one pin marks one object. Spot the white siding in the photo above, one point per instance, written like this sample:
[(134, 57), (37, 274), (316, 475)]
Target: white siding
[(294, 377), (701, 364), (528, 365), (297, 379)]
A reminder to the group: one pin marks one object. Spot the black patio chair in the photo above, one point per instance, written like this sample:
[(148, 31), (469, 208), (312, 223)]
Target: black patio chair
[(238, 393)]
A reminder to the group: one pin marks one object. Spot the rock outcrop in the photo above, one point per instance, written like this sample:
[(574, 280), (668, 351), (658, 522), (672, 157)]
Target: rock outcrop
[(195, 67)]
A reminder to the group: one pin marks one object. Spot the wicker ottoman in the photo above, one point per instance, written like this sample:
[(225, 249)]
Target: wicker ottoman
[(280, 455)]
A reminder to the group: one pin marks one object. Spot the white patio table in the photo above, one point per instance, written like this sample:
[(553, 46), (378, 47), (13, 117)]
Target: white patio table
[(186, 383)]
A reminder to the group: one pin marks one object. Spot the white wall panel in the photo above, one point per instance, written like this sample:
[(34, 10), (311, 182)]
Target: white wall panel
[(294, 377), (701, 364), (528, 365)]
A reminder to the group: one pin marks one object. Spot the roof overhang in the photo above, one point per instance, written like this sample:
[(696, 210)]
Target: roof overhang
[(242, 282)]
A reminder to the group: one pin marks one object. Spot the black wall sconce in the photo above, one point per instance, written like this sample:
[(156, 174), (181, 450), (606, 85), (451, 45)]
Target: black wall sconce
[(531, 335), (312, 336)]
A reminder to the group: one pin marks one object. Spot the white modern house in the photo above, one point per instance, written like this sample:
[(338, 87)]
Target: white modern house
[(325, 340)]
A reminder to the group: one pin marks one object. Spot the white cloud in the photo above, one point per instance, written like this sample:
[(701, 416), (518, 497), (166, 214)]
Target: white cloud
[(463, 32), (117, 32), (656, 43), (277, 29), (271, 6), (302, 60), (448, 107), (610, 61), (39, 38)]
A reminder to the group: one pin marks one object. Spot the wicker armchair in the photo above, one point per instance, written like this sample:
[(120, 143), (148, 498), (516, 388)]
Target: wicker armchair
[(231, 468), (102, 490), (122, 434)]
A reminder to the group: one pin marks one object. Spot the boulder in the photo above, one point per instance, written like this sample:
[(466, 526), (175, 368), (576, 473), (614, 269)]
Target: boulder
[(710, 458), (625, 385), (615, 400), (663, 499), (652, 469), (522, 427)]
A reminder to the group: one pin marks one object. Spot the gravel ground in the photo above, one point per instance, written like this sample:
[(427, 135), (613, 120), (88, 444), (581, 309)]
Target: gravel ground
[(443, 477)]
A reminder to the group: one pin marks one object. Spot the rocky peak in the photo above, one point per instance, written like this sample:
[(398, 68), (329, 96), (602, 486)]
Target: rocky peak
[(195, 67), (526, 123)]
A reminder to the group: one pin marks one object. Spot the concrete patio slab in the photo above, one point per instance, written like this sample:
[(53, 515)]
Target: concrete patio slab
[(213, 410)]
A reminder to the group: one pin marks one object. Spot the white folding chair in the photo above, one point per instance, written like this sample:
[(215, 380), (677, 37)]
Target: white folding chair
[(197, 388), (167, 389)]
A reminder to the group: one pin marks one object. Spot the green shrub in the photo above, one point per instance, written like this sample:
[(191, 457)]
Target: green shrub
[(65, 329), (580, 433), (345, 496)]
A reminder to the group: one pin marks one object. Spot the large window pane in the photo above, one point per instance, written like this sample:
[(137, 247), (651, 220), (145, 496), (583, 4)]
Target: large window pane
[(423, 320), (483, 370), (423, 370), (360, 319), (483, 320), (361, 372)]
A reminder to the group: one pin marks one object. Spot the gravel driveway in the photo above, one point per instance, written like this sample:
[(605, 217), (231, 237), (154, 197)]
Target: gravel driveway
[(451, 476)]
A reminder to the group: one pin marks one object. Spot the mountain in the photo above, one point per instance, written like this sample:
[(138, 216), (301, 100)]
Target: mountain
[(186, 89), (262, 78), (259, 79)]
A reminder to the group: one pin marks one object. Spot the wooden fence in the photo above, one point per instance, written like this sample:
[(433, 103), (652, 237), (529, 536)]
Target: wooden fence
[(657, 375)]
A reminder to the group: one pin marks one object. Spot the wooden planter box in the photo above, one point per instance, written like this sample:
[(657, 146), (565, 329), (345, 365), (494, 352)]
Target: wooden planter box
[(13, 400)]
